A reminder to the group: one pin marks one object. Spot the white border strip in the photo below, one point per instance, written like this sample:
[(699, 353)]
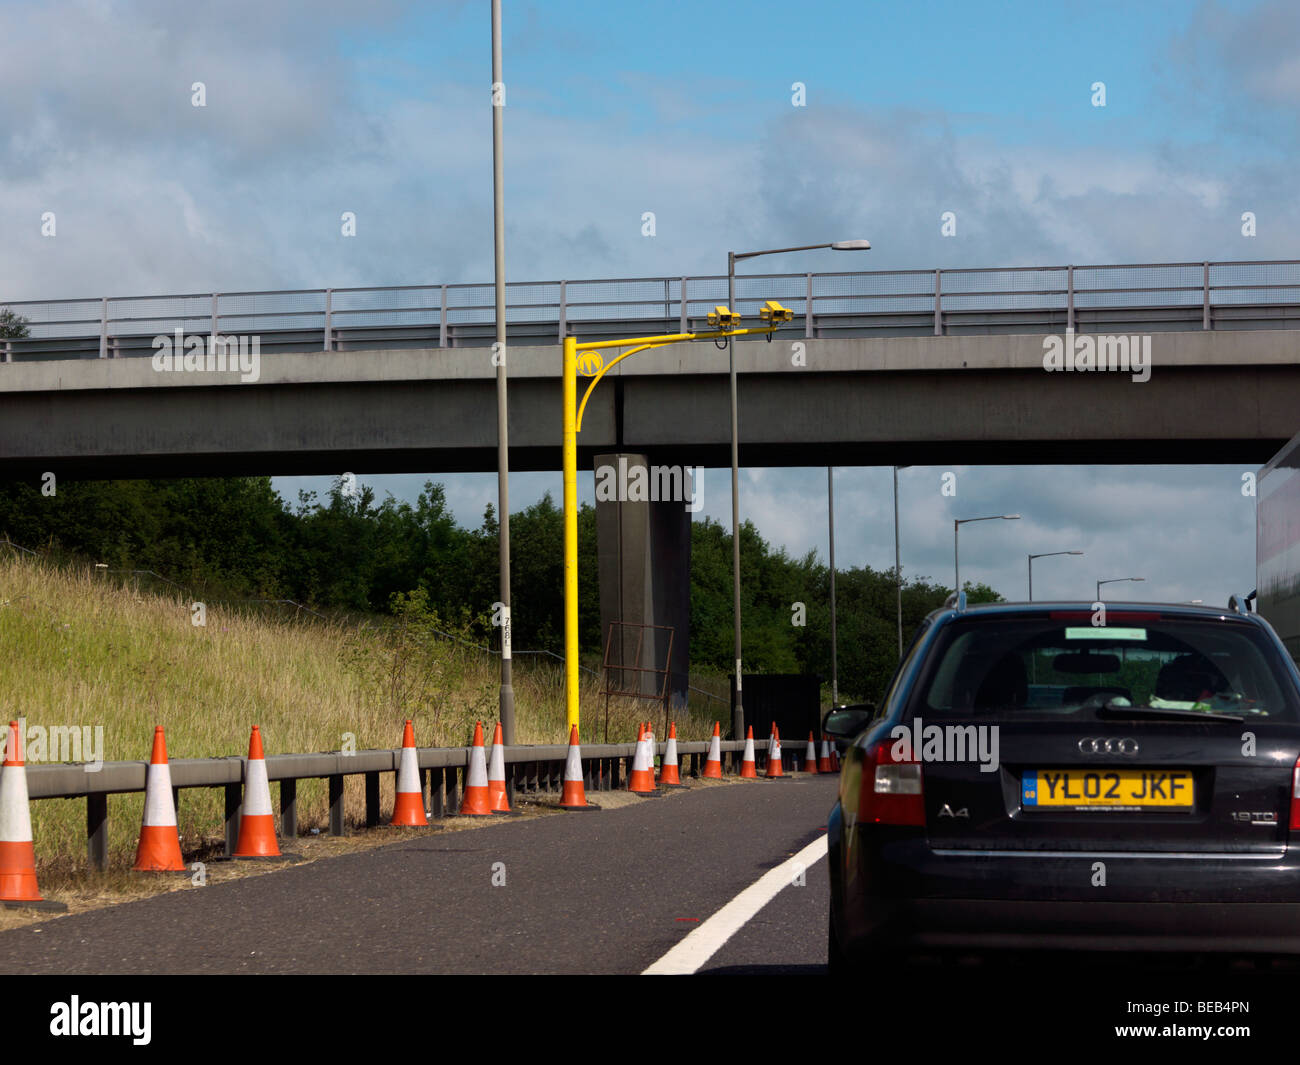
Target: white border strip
[(703, 942)]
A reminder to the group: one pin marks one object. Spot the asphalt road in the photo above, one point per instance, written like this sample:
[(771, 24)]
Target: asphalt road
[(602, 893)]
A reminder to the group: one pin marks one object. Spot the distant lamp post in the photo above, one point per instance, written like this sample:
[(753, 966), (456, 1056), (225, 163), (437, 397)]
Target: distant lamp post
[(898, 564), (733, 257), (956, 526), (1045, 554), (1115, 580), (830, 511)]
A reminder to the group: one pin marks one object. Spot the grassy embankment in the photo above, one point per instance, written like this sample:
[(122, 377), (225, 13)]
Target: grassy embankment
[(79, 650)]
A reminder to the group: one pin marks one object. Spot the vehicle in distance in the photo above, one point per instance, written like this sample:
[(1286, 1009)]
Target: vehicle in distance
[(1144, 798)]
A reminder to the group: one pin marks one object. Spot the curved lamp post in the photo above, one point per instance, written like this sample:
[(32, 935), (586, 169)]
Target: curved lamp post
[(956, 525), (1045, 554)]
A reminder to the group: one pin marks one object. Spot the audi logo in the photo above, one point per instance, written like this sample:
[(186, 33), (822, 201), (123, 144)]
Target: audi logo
[(1108, 745)]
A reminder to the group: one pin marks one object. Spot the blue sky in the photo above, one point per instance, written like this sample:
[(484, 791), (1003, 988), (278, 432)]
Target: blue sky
[(683, 109)]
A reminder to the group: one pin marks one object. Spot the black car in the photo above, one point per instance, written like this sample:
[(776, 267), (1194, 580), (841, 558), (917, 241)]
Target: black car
[(1047, 775)]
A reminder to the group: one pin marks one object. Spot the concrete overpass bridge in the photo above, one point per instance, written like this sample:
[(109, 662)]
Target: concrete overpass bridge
[(907, 367), (878, 368)]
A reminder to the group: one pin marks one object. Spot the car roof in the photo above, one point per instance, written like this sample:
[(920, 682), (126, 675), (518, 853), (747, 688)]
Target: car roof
[(1188, 610)]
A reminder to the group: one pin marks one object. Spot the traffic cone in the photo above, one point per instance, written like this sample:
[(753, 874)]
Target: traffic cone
[(574, 796), (824, 759), (408, 802), (641, 780), (256, 822), (747, 768), (17, 855), (713, 763), (810, 756), (835, 758), (477, 802), (774, 755), (497, 775), (160, 842), (668, 774)]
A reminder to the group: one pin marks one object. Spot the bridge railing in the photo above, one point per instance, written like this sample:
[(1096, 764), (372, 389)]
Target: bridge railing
[(1153, 296), (531, 771)]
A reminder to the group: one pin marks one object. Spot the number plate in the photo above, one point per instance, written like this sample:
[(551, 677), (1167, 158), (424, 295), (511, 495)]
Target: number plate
[(1108, 789)]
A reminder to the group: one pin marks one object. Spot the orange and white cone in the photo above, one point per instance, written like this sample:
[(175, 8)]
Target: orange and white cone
[(669, 777), (574, 796), (774, 769), (160, 842), (256, 822), (408, 801), (713, 763), (748, 770), (835, 758), (17, 854), (641, 780), (477, 801), (497, 775), (810, 756), (824, 759)]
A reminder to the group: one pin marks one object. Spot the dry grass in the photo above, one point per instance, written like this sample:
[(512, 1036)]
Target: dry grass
[(81, 651)]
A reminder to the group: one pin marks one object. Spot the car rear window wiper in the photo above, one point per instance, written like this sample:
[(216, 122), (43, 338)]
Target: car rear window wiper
[(1120, 709)]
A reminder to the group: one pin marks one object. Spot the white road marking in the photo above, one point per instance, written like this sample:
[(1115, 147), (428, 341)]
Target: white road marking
[(704, 942)]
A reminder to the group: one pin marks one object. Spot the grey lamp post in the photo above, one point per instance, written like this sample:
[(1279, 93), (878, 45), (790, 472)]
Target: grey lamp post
[(507, 692), (956, 526), (1115, 580), (1045, 554), (738, 711)]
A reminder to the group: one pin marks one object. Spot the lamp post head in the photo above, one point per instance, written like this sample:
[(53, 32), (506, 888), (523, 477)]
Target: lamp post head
[(851, 245)]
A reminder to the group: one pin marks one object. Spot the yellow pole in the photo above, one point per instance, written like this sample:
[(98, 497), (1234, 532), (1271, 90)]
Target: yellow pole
[(570, 386)]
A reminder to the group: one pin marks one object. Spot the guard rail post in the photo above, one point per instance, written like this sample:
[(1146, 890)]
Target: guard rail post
[(337, 826), (233, 805), (1205, 295), (437, 797), (97, 830), (289, 807), (372, 799)]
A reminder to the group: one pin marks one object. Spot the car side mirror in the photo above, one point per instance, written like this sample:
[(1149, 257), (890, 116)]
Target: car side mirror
[(845, 722)]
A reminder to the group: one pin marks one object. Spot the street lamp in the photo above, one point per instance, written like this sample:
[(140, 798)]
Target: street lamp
[(738, 711), (956, 558), (506, 695), (898, 564), (1045, 554), (830, 512), (1115, 580)]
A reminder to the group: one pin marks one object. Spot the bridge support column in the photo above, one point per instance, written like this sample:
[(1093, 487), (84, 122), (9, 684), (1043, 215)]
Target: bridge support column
[(643, 538)]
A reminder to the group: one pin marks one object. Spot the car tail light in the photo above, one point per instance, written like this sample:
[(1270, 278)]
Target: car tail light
[(891, 792), (1295, 796)]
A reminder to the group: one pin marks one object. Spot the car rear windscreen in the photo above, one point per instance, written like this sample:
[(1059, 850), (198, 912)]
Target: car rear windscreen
[(1061, 663)]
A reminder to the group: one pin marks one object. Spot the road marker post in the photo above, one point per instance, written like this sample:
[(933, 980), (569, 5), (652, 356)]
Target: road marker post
[(159, 850), (408, 797), (18, 888)]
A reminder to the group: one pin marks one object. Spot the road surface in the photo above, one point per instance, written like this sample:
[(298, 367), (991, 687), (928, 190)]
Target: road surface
[(606, 893)]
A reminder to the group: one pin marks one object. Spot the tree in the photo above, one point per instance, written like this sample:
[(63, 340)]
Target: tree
[(13, 326)]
